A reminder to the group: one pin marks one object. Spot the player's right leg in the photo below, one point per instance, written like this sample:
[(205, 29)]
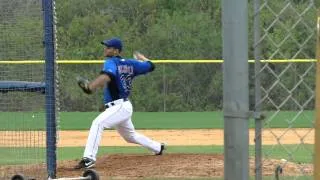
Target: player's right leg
[(127, 131), (107, 119)]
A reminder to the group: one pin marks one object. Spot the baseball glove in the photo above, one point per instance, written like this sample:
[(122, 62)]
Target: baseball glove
[(84, 85)]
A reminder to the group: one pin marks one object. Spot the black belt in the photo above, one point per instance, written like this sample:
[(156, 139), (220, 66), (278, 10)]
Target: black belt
[(110, 104)]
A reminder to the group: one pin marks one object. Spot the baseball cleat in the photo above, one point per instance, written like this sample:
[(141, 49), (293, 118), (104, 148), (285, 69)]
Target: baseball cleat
[(163, 147), (85, 163)]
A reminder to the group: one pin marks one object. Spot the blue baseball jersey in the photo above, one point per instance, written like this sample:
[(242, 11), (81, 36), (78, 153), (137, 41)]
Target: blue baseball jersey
[(122, 72)]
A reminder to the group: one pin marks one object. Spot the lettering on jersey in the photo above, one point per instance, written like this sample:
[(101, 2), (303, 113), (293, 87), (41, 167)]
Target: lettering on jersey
[(126, 82), (126, 75), (125, 69)]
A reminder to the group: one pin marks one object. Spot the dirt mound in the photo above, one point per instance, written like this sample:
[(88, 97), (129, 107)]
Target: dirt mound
[(123, 166), (141, 166)]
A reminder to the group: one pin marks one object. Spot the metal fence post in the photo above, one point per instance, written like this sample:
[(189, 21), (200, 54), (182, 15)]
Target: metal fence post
[(257, 110), (316, 173), (235, 89), (50, 86)]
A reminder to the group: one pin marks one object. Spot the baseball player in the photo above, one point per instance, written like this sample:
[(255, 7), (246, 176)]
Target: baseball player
[(116, 78)]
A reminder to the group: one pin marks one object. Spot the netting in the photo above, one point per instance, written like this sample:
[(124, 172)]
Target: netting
[(22, 139)]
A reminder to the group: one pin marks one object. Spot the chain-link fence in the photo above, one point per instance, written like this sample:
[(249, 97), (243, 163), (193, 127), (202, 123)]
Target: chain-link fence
[(285, 91)]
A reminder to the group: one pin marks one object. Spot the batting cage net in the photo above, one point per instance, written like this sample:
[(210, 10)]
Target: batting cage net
[(22, 139)]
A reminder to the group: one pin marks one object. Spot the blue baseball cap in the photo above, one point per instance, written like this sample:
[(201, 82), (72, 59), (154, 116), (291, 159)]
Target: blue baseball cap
[(113, 42)]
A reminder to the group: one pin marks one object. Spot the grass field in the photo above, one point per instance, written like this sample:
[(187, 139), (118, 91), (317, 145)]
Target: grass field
[(151, 120)]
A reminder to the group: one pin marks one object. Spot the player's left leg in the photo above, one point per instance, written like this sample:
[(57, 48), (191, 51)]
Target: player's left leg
[(127, 131)]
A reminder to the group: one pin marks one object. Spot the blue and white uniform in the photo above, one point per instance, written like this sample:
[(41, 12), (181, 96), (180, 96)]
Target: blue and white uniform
[(122, 72), (118, 110)]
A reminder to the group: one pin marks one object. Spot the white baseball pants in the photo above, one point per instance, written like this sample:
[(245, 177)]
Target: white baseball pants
[(118, 117)]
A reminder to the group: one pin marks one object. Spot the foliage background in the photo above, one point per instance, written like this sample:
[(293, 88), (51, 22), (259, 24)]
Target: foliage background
[(161, 29)]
